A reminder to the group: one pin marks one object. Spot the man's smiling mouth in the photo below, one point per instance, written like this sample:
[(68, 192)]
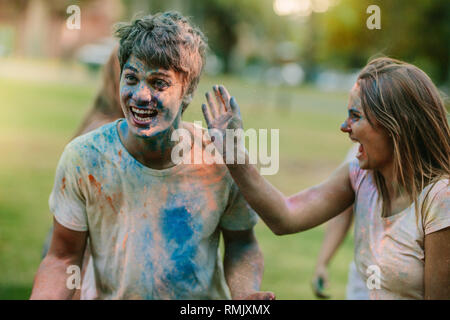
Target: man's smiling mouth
[(143, 115)]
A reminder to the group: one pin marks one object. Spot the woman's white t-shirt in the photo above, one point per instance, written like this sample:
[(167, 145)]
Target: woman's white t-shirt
[(389, 252)]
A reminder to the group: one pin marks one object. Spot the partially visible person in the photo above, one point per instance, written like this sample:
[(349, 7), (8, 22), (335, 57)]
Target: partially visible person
[(335, 232), (106, 107), (398, 186)]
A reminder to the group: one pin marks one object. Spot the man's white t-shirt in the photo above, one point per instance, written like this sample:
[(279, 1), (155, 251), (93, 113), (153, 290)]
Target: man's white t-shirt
[(154, 234)]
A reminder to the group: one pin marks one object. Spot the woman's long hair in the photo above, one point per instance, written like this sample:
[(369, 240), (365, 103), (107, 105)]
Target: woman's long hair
[(403, 100), (106, 107)]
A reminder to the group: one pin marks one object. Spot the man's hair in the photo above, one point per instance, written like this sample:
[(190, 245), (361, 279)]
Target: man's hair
[(402, 100), (167, 40)]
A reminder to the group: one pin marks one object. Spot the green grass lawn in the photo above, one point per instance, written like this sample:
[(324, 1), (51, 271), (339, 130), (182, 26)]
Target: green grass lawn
[(39, 117)]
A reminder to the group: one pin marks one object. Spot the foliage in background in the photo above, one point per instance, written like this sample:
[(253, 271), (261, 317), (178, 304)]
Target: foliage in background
[(415, 30)]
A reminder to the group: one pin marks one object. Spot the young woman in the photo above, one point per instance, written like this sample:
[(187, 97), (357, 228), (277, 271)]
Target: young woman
[(399, 184)]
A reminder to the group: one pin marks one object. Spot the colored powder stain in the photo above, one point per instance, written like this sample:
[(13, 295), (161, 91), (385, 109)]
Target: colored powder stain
[(124, 241), (110, 138), (120, 155), (63, 184), (179, 231), (148, 270), (95, 183), (108, 198)]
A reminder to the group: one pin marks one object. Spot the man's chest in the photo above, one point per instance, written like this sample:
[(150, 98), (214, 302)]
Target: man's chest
[(156, 202)]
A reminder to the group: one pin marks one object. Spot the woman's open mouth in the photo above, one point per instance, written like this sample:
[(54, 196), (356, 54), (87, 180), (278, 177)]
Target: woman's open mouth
[(143, 116), (360, 151)]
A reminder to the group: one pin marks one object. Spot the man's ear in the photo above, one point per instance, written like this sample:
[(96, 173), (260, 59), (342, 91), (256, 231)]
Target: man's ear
[(186, 101)]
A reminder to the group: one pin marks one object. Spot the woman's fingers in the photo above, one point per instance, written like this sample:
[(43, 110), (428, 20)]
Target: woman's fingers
[(226, 97), (207, 115), (221, 101), (234, 107), (212, 106), (224, 105)]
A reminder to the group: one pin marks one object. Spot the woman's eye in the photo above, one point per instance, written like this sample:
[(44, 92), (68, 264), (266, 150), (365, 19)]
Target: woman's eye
[(354, 117)]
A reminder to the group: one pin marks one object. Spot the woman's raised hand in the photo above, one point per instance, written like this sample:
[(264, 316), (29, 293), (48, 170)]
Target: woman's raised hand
[(222, 115)]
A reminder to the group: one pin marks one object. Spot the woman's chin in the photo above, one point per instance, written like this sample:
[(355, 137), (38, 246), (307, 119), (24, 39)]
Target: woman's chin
[(363, 164)]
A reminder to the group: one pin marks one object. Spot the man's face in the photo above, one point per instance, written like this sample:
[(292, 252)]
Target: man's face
[(375, 146), (150, 97)]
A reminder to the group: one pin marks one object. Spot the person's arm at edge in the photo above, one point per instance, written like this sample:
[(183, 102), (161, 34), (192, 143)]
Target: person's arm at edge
[(66, 249), (335, 232), (244, 265), (437, 265)]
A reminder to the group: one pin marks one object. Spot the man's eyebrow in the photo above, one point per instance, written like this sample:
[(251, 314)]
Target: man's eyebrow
[(160, 73), (127, 66)]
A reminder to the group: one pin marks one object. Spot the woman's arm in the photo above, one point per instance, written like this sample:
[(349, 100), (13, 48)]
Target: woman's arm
[(437, 265), (283, 215), (336, 230)]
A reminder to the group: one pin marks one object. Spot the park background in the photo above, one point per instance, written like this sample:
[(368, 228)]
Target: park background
[(289, 63)]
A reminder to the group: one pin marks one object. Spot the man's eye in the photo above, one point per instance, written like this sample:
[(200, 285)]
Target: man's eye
[(130, 78), (160, 84)]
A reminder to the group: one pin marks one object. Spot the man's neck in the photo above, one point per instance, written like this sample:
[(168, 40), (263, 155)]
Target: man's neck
[(154, 152)]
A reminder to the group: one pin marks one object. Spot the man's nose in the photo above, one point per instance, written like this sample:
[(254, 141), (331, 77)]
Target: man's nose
[(345, 127), (143, 96)]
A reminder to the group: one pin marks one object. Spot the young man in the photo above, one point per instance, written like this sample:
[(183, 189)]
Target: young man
[(154, 225)]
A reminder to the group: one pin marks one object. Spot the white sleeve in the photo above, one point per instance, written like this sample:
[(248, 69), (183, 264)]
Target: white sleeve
[(67, 202)]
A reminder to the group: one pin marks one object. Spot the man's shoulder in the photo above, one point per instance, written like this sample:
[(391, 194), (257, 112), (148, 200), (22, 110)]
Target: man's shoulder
[(98, 140), (202, 154)]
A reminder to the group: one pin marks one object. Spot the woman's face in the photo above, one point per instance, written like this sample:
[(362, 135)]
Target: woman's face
[(375, 150)]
